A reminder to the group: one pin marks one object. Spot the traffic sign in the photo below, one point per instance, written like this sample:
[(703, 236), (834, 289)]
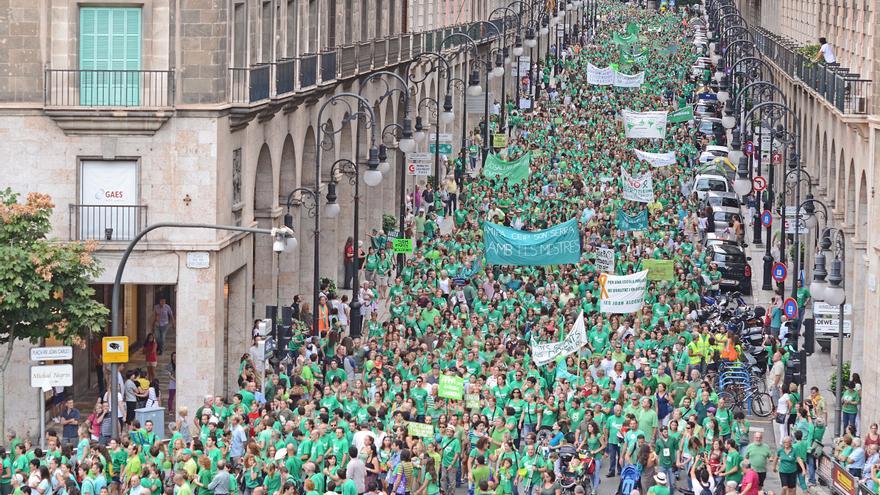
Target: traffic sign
[(114, 349), (418, 164), (59, 353), (748, 148), (790, 308), (759, 183), (766, 218), (779, 271), (821, 308), (776, 158), (445, 143)]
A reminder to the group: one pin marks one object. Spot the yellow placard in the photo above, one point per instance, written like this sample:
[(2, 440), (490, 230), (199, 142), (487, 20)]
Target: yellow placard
[(114, 349), (499, 140)]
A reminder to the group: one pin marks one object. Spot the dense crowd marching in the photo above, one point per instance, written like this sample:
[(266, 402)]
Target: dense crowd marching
[(369, 419)]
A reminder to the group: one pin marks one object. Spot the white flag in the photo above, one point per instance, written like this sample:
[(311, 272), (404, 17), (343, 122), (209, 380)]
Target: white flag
[(576, 338), (622, 80), (650, 125), (639, 188), (600, 77), (656, 159), (622, 294)]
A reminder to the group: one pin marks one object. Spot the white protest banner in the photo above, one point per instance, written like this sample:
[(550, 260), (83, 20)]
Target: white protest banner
[(576, 338), (600, 77), (622, 294), (639, 188), (622, 80), (656, 159), (605, 260), (650, 125)]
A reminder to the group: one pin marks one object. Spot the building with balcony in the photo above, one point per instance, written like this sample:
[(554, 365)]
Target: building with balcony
[(838, 107), (139, 112)]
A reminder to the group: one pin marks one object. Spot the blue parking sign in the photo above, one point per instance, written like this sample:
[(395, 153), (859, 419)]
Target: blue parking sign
[(790, 308), (779, 271)]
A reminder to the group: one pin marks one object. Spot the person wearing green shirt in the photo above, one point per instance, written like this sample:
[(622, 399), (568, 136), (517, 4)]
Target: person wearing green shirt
[(530, 466), (647, 418), (668, 454), (5, 472), (183, 486), (732, 459), (450, 453), (788, 464), (612, 428), (661, 484), (851, 400)]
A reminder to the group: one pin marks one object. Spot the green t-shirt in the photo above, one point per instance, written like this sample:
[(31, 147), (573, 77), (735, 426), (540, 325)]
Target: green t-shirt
[(667, 451), (731, 461), (787, 461)]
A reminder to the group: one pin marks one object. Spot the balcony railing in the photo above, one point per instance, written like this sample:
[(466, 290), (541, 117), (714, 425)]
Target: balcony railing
[(250, 85), (308, 70), (303, 73), (328, 66), (109, 88), (106, 222), (845, 90)]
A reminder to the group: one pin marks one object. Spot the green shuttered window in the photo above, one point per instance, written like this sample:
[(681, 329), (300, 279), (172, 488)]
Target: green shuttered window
[(110, 56)]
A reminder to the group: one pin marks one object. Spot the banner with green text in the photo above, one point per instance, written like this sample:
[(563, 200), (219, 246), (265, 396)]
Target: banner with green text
[(681, 115), (513, 171), (659, 269), (558, 245)]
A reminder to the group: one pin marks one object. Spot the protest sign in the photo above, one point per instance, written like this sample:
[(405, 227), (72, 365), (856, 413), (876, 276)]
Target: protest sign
[(622, 80), (451, 387), (683, 114), (513, 171), (656, 159), (605, 260), (650, 125), (638, 188), (659, 269), (576, 338), (632, 223), (472, 401), (622, 294), (558, 245), (600, 77), (419, 429)]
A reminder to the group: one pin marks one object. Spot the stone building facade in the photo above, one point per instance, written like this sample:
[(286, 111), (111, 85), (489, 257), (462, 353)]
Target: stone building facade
[(841, 145), (204, 111)]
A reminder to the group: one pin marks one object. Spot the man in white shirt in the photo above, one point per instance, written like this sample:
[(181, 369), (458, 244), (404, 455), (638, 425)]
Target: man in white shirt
[(825, 52)]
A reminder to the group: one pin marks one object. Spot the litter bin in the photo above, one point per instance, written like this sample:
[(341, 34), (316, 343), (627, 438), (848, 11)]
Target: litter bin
[(154, 414)]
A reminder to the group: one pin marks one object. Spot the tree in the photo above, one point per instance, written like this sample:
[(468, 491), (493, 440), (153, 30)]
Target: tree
[(44, 284)]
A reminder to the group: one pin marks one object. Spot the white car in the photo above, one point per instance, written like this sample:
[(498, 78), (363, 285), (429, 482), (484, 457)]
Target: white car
[(703, 183)]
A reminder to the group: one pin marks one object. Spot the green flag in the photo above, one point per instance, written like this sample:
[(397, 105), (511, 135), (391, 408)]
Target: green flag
[(683, 114), (514, 171)]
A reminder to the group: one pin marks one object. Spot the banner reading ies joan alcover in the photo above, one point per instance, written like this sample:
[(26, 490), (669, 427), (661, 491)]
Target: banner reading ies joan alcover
[(558, 245), (622, 294)]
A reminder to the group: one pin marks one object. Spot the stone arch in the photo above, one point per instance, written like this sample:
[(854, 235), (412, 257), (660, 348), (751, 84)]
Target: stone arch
[(304, 227), (288, 281), (861, 217), (264, 181), (832, 175), (851, 194), (287, 176)]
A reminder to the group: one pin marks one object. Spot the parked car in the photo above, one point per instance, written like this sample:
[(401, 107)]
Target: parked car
[(717, 199), (736, 273), (713, 238), (724, 216), (703, 183)]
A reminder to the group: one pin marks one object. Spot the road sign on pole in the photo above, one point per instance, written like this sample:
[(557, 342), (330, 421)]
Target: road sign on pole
[(445, 143), (759, 183), (779, 272), (114, 349), (419, 163), (748, 148), (790, 307), (766, 218)]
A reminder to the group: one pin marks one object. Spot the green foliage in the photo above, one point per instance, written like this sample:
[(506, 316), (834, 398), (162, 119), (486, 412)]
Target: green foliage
[(389, 222), (810, 52), (44, 285), (833, 381)]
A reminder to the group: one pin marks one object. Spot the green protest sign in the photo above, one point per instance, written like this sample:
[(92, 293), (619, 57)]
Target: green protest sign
[(631, 223), (420, 429), (514, 171), (558, 245), (472, 401), (402, 246), (681, 115), (659, 269), (632, 28), (451, 387)]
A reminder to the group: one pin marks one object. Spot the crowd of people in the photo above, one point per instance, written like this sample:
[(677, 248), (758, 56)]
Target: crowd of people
[(361, 412)]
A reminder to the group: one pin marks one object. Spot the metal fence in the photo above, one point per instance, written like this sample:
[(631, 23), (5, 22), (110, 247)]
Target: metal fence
[(845, 90), (106, 222), (841, 482), (108, 88), (251, 84)]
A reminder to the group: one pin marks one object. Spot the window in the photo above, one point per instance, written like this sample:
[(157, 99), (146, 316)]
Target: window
[(266, 32), (110, 56), (239, 36), (292, 31), (108, 197)]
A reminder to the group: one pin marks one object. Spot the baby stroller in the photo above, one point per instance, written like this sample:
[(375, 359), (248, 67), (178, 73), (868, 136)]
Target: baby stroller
[(575, 469), (629, 479)]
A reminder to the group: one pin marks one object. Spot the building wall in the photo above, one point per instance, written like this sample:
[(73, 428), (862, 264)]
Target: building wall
[(840, 152)]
